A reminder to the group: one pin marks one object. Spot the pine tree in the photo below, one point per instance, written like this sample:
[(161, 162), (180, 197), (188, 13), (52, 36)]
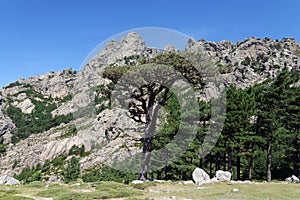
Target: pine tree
[(148, 87), (72, 172)]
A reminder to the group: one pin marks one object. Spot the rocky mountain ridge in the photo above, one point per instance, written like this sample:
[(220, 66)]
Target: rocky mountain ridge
[(111, 133)]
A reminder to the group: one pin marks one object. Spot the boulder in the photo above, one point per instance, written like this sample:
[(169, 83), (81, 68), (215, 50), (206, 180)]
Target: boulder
[(289, 179), (295, 179), (223, 175), (200, 176), (7, 180), (188, 182), (137, 182), (292, 179), (53, 179)]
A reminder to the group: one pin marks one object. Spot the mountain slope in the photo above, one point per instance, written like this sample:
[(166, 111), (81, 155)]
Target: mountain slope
[(39, 120)]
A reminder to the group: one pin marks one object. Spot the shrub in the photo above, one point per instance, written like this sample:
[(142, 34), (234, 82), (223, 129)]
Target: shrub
[(108, 174), (72, 172), (246, 62)]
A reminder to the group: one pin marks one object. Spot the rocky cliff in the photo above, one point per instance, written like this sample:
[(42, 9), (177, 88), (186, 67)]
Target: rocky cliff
[(39, 120)]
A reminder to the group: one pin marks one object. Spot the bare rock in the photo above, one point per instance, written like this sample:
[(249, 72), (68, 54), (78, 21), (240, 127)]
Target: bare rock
[(295, 178), (137, 182), (170, 48), (188, 182), (26, 106), (6, 125), (200, 176), (8, 180), (131, 44), (223, 175), (292, 179), (191, 42)]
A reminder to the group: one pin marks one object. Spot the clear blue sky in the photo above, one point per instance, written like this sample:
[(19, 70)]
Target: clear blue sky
[(37, 36)]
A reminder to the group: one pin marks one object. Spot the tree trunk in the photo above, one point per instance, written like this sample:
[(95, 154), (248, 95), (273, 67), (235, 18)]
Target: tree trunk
[(296, 159), (250, 168), (218, 161), (184, 177), (145, 158), (158, 177), (166, 167), (238, 167), (151, 118), (269, 175), (201, 163), (210, 164), (230, 159), (238, 162)]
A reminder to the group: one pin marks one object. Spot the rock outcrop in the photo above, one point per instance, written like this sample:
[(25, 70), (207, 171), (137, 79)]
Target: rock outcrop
[(131, 44), (6, 125), (251, 61), (7, 180)]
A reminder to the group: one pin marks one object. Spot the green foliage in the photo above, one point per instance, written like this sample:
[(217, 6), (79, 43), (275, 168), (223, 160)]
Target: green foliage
[(78, 151), (104, 190), (67, 98), (30, 174), (72, 171), (59, 161), (114, 73), (276, 66), (223, 69), (255, 116), (71, 131), (103, 97), (2, 148), (92, 176), (39, 121), (246, 62), (258, 117), (14, 84), (297, 53), (108, 174)]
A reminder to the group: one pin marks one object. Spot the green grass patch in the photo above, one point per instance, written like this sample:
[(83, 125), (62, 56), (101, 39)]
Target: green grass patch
[(104, 190), (108, 190), (10, 194), (37, 184), (53, 192)]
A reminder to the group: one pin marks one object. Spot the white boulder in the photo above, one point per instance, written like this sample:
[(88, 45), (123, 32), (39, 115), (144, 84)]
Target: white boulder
[(137, 182), (223, 175), (200, 176), (7, 180)]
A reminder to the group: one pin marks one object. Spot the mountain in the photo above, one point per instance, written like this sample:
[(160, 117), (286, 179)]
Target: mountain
[(39, 121)]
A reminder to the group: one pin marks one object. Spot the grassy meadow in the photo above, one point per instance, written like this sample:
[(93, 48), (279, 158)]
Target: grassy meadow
[(150, 190)]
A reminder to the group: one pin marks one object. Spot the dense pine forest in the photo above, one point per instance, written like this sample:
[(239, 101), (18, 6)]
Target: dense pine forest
[(260, 138)]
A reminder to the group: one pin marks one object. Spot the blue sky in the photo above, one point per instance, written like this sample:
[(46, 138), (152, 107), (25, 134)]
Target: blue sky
[(37, 36)]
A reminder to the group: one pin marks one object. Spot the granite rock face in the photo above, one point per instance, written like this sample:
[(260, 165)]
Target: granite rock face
[(6, 125)]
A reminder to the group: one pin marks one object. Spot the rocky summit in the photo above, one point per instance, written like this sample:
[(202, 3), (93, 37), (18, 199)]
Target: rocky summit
[(41, 122)]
